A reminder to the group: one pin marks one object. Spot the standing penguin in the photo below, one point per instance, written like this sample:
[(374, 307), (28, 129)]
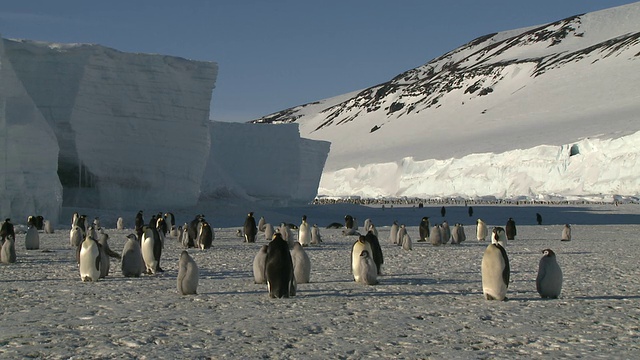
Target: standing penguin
[(48, 227), (348, 222), (446, 232), (268, 231), (393, 233), (406, 241), (368, 274), (250, 228), (443, 211), (261, 224), (32, 239), (8, 251), (510, 229), (377, 256), (301, 264), (304, 233), (75, 236), (566, 233), (495, 273), (498, 236), (402, 231), (549, 279), (205, 237), (279, 269), (7, 229), (150, 253), (188, 274), (481, 230), (108, 253), (423, 229), (316, 238), (259, 262), (287, 235), (435, 237), (132, 263), (120, 224), (357, 248), (458, 235), (184, 237), (539, 218), (89, 260)]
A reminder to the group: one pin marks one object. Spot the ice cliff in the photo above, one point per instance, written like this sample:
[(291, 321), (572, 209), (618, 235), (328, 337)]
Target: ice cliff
[(89, 126)]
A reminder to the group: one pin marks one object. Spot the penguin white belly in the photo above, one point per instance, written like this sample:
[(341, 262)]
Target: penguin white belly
[(304, 235), (357, 249), (188, 274), (89, 261), (549, 280), (494, 284), (368, 270), (147, 253), (32, 239)]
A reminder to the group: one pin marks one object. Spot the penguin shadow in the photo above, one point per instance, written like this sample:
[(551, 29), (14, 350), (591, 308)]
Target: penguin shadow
[(227, 274), (607, 297), (247, 292)]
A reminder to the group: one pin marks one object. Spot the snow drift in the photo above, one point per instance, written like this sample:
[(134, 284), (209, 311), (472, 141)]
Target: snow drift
[(494, 117)]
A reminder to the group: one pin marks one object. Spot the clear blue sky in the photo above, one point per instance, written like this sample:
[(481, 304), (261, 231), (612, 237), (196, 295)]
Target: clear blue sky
[(277, 54)]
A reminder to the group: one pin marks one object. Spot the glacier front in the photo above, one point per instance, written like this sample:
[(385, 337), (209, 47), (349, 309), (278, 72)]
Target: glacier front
[(92, 127)]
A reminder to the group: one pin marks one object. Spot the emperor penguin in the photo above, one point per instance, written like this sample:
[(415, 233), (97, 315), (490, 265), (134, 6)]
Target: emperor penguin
[(8, 250), (301, 264), (7, 229), (549, 279), (348, 222), (495, 272), (402, 231), (446, 232), (132, 263), (406, 241), (205, 237), (498, 236), (96, 223), (104, 247), (278, 267), (261, 224), (259, 262), (458, 235), (367, 225), (304, 233), (510, 229), (286, 234), (169, 219), (368, 274), (188, 274), (32, 238), (423, 229), (268, 231), (481, 230), (393, 233), (435, 237), (566, 232), (250, 229), (373, 229), (377, 256), (357, 248), (120, 224), (184, 237), (89, 260), (150, 253), (104, 261), (75, 236), (74, 218), (316, 238), (48, 227)]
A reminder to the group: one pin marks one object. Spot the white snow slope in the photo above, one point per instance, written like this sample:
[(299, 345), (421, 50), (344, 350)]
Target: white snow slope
[(496, 117)]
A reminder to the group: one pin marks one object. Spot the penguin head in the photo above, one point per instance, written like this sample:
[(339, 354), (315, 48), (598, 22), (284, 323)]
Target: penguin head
[(361, 238), (425, 218), (277, 236), (548, 253), (132, 237), (304, 217), (364, 254)]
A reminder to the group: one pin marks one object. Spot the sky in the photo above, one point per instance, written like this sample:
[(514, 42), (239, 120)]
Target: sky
[(273, 55)]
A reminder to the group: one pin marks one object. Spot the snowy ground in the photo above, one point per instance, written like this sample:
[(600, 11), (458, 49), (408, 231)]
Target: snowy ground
[(429, 303)]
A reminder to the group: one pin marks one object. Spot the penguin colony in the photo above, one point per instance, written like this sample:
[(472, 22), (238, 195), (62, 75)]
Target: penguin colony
[(283, 263)]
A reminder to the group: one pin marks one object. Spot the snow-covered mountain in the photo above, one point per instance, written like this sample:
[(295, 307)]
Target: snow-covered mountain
[(550, 110)]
